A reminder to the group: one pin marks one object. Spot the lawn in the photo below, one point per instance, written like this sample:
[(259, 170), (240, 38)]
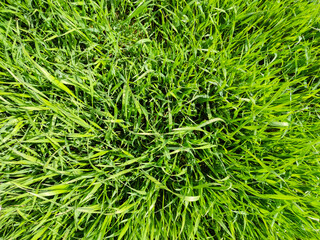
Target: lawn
[(159, 119)]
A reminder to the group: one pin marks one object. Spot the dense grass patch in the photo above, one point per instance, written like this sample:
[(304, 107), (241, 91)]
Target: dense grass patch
[(166, 119)]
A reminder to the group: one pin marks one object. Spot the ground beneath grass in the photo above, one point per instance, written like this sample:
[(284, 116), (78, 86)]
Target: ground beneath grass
[(168, 119)]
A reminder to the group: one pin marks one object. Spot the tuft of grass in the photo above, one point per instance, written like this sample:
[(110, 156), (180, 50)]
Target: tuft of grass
[(168, 119)]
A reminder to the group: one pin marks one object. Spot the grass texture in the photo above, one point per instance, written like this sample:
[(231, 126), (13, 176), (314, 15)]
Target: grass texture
[(167, 119)]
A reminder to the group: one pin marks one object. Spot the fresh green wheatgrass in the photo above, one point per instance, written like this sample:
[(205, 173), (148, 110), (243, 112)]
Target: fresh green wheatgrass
[(159, 119)]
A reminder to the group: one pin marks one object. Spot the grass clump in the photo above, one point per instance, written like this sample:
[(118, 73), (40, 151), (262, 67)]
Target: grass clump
[(159, 119)]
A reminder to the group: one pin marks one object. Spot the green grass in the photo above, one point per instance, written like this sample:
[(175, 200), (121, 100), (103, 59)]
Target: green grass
[(167, 119)]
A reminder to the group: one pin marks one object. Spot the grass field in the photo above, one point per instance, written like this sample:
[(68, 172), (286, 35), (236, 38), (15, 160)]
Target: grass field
[(159, 119)]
